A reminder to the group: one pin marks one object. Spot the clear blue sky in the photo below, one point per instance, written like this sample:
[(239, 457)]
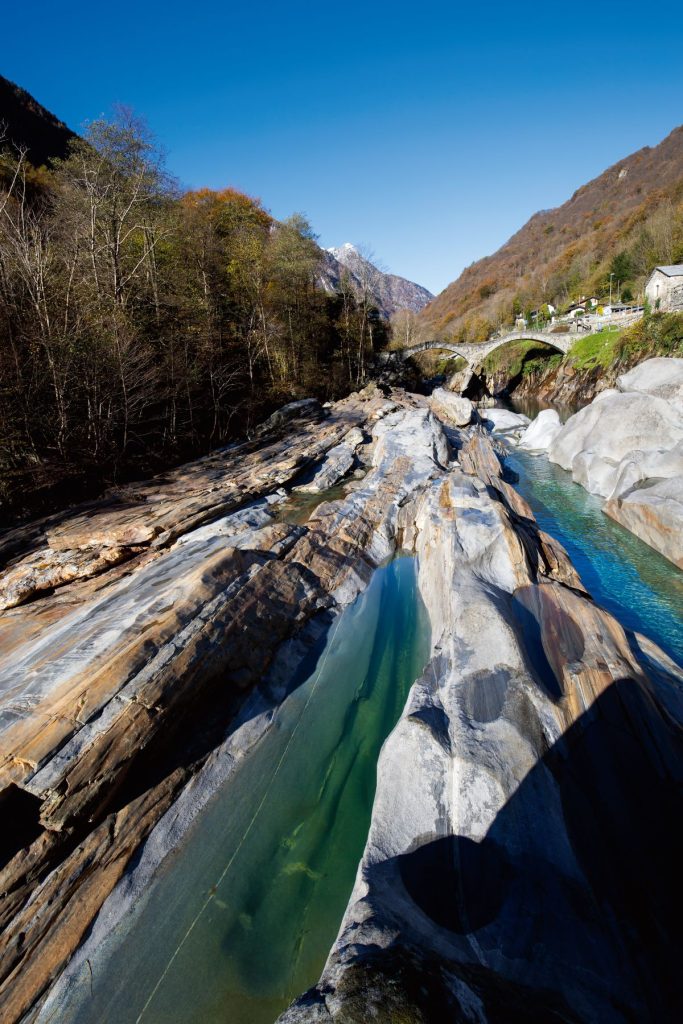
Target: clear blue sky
[(427, 131)]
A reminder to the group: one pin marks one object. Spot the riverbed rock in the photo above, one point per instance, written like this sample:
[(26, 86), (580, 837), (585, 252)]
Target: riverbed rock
[(336, 465), (303, 408), (660, 377), (542, 431), (461, 380), (615, 427), (504, 421), (504, 796), (627, 447), (655, 514), (451, 407), (134, 674)]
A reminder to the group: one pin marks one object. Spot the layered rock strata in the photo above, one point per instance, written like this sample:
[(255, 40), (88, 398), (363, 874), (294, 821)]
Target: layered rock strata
[(118, 685), (494, 880)]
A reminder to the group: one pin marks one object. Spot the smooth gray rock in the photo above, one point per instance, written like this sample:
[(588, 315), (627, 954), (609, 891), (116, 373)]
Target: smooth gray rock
[(542, 431), (498, 826), (503, 421), (660, 377), (655, 514), (612, 429), (452, 408)]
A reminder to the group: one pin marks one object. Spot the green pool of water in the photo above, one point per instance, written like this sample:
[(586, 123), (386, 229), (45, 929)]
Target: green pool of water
[(243, 914)]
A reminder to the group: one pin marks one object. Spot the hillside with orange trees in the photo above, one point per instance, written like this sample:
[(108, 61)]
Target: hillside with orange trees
[(623, 222)]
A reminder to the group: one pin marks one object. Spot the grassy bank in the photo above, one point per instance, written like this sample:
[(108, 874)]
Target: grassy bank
[(658, 335)]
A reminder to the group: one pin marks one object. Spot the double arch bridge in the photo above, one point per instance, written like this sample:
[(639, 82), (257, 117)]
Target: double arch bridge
[(475, 354)]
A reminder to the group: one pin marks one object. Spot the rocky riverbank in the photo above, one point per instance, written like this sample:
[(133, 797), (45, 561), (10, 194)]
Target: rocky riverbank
[(520, 859), (627, 447), (134, 630)]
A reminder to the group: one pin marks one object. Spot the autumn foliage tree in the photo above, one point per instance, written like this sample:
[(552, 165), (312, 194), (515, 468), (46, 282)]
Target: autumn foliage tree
[(139, 325)]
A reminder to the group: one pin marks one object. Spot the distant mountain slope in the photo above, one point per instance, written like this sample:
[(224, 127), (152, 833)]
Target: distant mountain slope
[(561, 252), (389, 291), (28, 124)]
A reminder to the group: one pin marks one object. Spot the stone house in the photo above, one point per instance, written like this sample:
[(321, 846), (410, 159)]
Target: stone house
[(664, 288)]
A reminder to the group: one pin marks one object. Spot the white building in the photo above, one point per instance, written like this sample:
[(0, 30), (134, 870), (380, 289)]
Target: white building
[(665, 288)]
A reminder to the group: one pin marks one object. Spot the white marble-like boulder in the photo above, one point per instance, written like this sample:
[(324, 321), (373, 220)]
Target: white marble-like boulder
[(627, 447), (639, 467), (503, 421), (661, 377), (542, 431), (610, 430), (452, 408)]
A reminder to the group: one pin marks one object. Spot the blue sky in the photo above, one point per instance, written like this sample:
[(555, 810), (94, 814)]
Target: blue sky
[(427, 131)]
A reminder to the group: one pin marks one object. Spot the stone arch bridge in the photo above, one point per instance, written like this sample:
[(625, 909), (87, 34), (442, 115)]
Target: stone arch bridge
[(475, 354)]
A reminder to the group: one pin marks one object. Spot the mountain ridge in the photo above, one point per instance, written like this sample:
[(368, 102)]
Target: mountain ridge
[(560, 251), (390, 292)]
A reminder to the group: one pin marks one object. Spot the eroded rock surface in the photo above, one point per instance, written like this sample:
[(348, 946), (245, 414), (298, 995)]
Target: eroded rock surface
[(452, 408), (627, 447), (125, 679), (520, 850), (542, 431), (506, 422), (501, 875)]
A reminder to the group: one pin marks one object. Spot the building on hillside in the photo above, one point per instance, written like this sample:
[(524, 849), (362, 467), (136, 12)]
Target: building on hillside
[(665, 288), (576, 309)]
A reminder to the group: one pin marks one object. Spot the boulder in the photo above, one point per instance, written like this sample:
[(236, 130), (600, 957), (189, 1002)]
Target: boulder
[(638, 467), (661, 377), (451, 407), (594, 473), (627, 446), (655, 515), (542, 431), (503, 421), (461, 380), (614, 427)]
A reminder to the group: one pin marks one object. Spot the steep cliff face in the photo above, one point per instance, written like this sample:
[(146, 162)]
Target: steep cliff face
[(390, 292), (29, 125)]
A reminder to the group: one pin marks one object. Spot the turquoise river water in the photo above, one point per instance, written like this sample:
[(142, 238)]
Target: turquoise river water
[(245, 911), (640, 587)]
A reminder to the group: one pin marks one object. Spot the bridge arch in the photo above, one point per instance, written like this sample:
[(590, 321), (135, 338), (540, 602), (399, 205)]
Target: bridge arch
[(475, 354)]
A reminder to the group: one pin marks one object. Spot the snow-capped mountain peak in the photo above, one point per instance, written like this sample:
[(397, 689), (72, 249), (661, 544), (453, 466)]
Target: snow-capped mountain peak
[(389, 291)]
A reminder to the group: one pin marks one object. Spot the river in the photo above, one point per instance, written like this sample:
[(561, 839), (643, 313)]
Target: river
[(640, 587), (244, 912)]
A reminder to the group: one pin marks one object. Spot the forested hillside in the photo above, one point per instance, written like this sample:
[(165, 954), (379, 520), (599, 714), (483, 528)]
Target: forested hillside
[(621, 223), (139, 325)]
